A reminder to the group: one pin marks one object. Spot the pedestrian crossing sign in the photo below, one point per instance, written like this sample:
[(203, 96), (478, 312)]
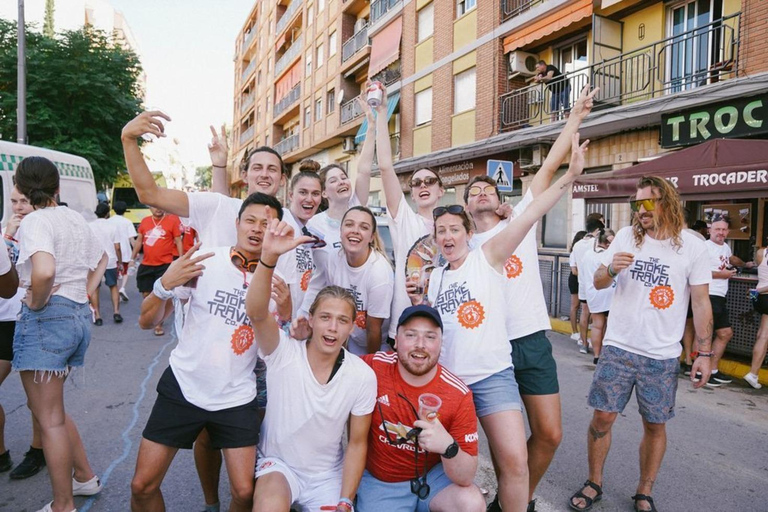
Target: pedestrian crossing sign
[(501, 172)]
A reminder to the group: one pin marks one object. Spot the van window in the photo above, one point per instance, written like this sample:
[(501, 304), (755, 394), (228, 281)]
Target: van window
[(129, 197)]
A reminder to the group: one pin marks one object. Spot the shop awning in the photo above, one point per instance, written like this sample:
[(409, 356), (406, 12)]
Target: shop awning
[(560, 18), (717, 169), (385, 46), (392, 102)]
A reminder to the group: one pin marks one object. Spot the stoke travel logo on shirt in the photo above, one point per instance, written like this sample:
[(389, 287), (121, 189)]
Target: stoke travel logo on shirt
[(230, 306), (513, 267), (458, 299), (362, 314), (654, 275), (304, 265)]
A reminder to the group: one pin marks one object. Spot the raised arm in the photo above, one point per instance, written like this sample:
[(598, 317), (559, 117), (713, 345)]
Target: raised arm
[(501, 246), (172, 201), (219, 150), (365, 162), (392, 190)]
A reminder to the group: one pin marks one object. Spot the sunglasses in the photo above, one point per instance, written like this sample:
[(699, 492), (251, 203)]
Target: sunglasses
[(240, 261), (317, 241), (428, 181), (648, 204), (454, 209), (476, 190)]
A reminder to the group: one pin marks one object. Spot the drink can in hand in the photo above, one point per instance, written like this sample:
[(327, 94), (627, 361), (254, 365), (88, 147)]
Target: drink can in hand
[(374, 94)]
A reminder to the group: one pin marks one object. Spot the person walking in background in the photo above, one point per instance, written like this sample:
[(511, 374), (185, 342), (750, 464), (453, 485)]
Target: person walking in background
[(109, 236), (598, 301), (760, 303), (127, 234), (573, 288), (594, 223)]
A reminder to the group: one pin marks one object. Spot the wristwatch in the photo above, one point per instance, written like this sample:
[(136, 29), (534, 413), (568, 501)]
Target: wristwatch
[(451, 451)]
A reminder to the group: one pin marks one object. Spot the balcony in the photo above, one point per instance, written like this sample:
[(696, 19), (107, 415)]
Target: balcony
[(288, 56), (394, 144), (246, 136), (355, 43), (287, 16), (247, 102), (292, 97), (287, 145), (512, 8), (678, 63), (248, 38), (247, 71), (381, 7), (389, 75), (351, 110)]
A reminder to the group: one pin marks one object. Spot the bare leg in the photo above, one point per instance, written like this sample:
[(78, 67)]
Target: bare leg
[(598, 446), (761, 344), (574, 313), (688, 340), (722, 337), (5, 369), (584, 322), (37, 434), (455, 497), (506, 434), (652, 449), (272, 493), (115, 295), (208, 464), (597, 332), (240, 463), (152, 464), (95, 303), (546, 433)]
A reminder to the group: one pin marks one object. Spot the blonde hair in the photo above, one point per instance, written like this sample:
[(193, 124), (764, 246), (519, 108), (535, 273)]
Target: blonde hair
[(334, 292), (670, 220), (376, 243)]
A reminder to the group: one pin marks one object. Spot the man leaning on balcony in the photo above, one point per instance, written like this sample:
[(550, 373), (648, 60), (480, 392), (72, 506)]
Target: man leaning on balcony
[(559, 88)]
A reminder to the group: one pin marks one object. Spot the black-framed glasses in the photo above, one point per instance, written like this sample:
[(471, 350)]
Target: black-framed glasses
[(453, 209), (419, 485), (317, 242), (428, 182), (648, 204)]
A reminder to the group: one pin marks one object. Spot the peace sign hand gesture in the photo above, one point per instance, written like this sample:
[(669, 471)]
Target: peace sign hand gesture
[(584, 104), (218, 149)]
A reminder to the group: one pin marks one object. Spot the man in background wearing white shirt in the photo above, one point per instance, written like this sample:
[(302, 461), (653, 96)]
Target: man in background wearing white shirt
[(127, 233), (109, 237)]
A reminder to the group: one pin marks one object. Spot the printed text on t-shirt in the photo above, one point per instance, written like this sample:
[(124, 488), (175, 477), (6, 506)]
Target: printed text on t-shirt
[(650, 273), (449, 300), (230, 306)]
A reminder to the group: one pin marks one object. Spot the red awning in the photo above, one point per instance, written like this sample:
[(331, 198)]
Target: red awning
[(385, 46), (560, 18), (288, 81), (717, 169), (280, 41)]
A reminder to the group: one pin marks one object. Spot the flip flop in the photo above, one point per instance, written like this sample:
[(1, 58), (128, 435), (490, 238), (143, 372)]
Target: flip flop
[(159, 331)]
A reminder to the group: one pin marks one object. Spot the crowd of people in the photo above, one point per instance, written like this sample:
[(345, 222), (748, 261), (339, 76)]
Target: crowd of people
[(326, 377)]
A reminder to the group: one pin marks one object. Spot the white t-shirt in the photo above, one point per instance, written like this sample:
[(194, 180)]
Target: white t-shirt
[(330, 229), (523, 293), (216, 354), (651, 300), (302, 262), (473, 309), (575, 260), (599, 301), (406, 228), (126, 231), (372, 286), (719, 259), (108, 236), (64, 234), (9, 308), (305, 420)]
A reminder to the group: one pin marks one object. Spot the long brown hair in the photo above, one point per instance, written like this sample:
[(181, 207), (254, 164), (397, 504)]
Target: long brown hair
[(670, 220)]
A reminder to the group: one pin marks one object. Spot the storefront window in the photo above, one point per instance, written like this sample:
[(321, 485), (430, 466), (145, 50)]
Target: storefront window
[(555, 223)]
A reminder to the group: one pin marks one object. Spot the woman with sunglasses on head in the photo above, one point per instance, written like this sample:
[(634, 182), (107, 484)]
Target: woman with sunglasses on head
[(471, 303), (599, 301), (362, 268)]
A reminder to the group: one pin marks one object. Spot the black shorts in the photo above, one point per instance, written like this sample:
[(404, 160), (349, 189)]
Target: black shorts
[(535, 367), (573, 284), (720, 315), (762, 304), (147, 275), (689, 314), (6, 340), (176, 423)]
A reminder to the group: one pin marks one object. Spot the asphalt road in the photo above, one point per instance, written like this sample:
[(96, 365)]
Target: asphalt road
[(716, 457)]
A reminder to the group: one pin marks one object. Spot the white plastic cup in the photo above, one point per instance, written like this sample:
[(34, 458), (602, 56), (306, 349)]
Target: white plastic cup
[(429, 405)]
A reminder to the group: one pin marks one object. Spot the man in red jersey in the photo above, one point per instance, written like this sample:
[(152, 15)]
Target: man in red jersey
[(422, 444)]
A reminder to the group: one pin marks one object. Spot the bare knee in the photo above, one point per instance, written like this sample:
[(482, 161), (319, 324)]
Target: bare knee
[(242, 492), (469, 498), (603, 421), (549, 436), (655, 429), (143, 488)]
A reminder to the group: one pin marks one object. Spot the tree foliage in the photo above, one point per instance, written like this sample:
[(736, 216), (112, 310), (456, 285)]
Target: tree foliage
[(203, 176), (81, 89)]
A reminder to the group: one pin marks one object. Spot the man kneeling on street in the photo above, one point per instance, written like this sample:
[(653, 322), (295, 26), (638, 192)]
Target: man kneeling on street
[(422, 444)]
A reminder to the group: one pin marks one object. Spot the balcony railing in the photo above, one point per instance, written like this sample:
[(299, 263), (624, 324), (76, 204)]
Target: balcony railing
[(287, 15), (351, 110), (388, 76), (682, 62), (287, 145), (246, 136), (249, 37), (247, 102), (288, 56), (512, 8), (380, 7), (247, 71), (292, 97), (394, 144), (355, 43)]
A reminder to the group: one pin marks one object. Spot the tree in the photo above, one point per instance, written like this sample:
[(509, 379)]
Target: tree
[(48, 28), (81, 89), (203, 177)]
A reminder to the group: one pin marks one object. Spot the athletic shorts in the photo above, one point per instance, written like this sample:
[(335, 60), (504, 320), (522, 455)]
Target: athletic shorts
[(124, 266), (307, 493), (573, 284), (720, 316), (6, 340), (762, 304), (496, 393), (147, 275), (535, 368), (110, 277), (583, 301), (53, 339), (176, 423), (689, 314), (374, 495), (654, 381)]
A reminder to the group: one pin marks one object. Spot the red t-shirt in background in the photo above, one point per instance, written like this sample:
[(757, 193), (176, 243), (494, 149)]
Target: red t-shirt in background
[(188, 238), (390, 463), (158, 239)]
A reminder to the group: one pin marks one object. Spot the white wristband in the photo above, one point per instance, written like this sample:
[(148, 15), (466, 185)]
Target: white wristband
[(160, 292)]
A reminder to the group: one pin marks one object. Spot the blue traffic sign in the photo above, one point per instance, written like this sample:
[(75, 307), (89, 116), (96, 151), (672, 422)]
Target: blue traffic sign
[(501, 172)]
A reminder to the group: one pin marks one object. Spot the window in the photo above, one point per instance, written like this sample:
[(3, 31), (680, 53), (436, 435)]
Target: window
[(310, 14), (330, 100), (266, 140), (269, 65), (258, 79), (307, 116), (423, 106), (258, 113), (320, 55), (464, 6), (318, 109), (332, 44), (464, 91), (320, 5), (555, 222), (308, 59), (426, 22)]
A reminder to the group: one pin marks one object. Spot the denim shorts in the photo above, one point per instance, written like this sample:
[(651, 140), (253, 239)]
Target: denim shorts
[(496, 393), (374, 495), (654, 381), (52, 339), (110, 277)]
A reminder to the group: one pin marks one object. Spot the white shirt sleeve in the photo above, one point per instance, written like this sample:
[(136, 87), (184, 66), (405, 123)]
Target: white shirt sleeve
[(203, 207), (5, 261), (701, 268), (36, 236), (366, 397), (283, 354), (318, 281)]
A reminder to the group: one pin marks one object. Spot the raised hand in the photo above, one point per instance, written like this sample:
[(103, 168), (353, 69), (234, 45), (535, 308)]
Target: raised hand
[(505, 211), (578, 152), (584, 103), (184, 268), (300, 329), (278, 240), (281, 294), (218, 149), (366, 108), (146, 123)]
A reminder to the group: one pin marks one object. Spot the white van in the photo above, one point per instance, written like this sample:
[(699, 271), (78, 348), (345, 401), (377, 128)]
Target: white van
[(77, 187)]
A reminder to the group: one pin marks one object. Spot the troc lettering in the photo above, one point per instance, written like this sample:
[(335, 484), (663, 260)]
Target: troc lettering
[(730, 178)]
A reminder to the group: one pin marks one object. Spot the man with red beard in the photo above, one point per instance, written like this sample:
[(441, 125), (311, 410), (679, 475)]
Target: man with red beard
[(419, 459)]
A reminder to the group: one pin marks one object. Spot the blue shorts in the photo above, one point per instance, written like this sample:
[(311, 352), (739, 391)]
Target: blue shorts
[(654, 380), (110, 277), (496, 393), (373, 495), (54, 338)]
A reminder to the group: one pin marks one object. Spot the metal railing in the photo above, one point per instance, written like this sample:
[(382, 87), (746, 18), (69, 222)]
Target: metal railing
[(288, 100), (685, 61), (287, 15), (355, 43), (394, 144), (287, 145), (351, 110), (289, 55), (248, 70), (249, 37), (247, 102), (512, 8), (246, 135), (380, 7), (388, 76)]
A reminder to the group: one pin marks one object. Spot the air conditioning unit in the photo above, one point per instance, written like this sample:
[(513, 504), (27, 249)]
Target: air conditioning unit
[(348, 145), (522, 63), (359, 24), (532, 157)]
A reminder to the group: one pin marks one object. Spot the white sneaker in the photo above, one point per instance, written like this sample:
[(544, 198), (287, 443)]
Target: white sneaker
[(89, 488), (576, 336), (751, 378), (123, 295), (583, 349), (48, 508)]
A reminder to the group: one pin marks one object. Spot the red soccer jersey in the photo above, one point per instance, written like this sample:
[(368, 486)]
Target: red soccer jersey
[(390, 463), (158, 239), (188, 238)]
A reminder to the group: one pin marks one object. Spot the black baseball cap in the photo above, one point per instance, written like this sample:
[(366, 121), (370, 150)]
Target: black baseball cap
[(421, 310)]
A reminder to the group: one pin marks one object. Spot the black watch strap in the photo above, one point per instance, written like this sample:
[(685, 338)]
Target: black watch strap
[(451, 451)]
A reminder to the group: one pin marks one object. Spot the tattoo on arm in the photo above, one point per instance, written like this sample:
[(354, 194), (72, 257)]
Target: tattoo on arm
[(704, 343), (596, 434)]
